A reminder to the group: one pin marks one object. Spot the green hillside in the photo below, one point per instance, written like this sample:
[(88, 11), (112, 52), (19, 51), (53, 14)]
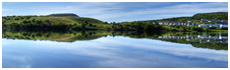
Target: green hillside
[(66, 22), (50, 22), (209, 16)]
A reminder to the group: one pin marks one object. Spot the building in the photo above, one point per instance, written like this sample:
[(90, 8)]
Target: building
[(223, 25)]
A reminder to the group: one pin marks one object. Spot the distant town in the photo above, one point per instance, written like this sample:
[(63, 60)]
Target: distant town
[(203, 23)]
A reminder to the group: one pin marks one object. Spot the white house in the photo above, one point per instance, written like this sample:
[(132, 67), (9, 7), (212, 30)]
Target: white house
[(223, 25)]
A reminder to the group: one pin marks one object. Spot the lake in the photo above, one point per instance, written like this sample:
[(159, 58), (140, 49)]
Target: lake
[(109, 49)]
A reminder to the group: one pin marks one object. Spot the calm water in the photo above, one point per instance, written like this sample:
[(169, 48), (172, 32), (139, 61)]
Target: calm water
[(114, 50)]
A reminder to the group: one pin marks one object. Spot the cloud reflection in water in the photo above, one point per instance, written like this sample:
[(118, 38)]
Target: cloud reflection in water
[(110, 52)]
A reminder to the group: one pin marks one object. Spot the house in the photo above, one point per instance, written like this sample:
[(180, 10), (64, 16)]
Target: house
[(203, 25), (225, 21), (223, 25), (161, 23)]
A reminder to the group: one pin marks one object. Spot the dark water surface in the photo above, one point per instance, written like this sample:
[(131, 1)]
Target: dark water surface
[(99, 49)]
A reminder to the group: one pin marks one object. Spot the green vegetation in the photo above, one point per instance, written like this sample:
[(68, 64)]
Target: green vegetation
[(69, 36), (209, 16), (185, 28), (66, 22), (217, 46), (51, 23), (54, 36), (212, 16), (136, 26)]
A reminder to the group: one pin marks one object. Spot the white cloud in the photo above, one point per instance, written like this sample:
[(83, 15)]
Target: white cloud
[(183, 10), (121, 11), (14, 59), (100, 45), (5, 43), (110, 11), (5, 10)]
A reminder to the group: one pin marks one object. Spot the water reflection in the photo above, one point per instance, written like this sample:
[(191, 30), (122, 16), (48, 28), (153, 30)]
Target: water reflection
[(100, 49), (211, 40), (199, 38)]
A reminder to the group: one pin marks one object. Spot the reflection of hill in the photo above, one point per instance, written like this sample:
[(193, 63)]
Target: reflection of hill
[(54, 36), (213, 40), (73, 35), (217, 46)]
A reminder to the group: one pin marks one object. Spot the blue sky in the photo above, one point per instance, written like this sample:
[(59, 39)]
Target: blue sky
[(115, 11)]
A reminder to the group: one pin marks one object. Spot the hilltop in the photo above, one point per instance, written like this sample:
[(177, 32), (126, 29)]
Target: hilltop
[(63, 15), (68, 18), (209, 16), (51, 22)]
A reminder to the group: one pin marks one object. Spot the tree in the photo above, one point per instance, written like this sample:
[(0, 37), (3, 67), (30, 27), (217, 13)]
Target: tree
[(90, 25), (75, 24), (207, 29), (199, 29), (106, 23), (86, 22), (83, 26)]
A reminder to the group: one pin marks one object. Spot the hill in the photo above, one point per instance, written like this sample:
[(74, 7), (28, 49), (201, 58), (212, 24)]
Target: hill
[(209, 16), (212, 16), (63, 15), (63, 22), (50, 22)]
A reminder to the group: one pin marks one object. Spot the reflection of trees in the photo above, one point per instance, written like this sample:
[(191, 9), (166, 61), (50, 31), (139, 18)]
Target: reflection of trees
[(70, 36), (211, 40), (217, 46), (54, 36), (73, 35)]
